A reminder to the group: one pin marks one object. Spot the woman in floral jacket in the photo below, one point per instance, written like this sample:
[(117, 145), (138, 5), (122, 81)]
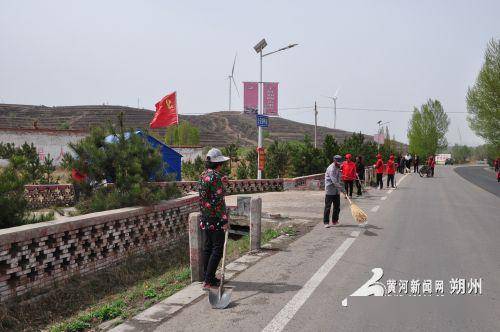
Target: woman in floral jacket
[(214, 215)]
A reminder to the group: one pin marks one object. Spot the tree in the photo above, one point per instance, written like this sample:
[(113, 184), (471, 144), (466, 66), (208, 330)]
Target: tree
[(129, 163), (12, 201), (232, 152), (483, 99), (251, 159), (330, 147), (277, 159), (182, 134), (461, 153), (306, 159), (427, 129)]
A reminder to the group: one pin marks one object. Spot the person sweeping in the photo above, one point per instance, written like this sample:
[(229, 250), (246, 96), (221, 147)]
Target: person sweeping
[(214, 215), (333, 187)]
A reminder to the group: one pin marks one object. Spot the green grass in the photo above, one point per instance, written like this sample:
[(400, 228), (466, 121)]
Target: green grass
[(236, 248), (129, 302)]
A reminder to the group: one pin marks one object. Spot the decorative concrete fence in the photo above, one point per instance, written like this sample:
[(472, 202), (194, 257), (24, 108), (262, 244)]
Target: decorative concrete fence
[(42, 196), (35, 256)]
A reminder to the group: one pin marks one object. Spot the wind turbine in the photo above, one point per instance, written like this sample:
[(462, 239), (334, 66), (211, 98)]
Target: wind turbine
[(230, 79), (334, 98)]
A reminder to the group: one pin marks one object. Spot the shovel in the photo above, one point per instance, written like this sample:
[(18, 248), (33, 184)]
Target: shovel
[(220, 298)]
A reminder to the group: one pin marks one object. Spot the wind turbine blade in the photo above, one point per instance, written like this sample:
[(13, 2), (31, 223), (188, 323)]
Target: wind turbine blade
[(236, 87), (326, 97), (234, 63), (336, 92)]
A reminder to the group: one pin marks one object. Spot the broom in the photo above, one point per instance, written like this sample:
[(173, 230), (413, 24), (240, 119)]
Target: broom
[(358, 214)]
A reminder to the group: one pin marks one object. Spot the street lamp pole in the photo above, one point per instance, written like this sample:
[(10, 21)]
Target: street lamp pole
[(258, 48), (261, 111)]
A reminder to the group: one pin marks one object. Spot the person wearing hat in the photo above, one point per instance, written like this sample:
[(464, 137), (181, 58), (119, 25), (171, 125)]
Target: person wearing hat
[(391, 170), (379, 170), (214, 215), (333, 187), (348, 174)]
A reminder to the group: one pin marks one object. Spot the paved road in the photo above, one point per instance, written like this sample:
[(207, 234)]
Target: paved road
[(438, 228), (481, 176)]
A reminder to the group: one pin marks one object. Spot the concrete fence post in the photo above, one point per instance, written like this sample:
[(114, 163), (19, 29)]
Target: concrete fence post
[(195, 247), (255, 223)]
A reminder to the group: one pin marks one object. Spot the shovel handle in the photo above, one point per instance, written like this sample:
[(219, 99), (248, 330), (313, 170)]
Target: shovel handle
[(223, 262)]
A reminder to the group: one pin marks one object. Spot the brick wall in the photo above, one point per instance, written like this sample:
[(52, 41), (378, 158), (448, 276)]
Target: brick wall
[(35, 256)]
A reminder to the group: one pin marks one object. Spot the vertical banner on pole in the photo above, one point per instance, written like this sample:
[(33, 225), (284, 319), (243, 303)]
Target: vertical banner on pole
[(250, 97), (271, 98)]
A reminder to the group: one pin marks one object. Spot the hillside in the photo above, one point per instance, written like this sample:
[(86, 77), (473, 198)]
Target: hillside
[(216, 129)]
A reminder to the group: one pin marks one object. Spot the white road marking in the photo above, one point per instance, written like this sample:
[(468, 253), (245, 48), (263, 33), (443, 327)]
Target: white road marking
[(290, 309), (401, 179), (390, 191), (375, 208), (383, 198)]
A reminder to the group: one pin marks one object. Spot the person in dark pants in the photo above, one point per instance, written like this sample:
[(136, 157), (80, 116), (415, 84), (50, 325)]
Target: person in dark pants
[(416, 163), (379, 169), (333, 187), (214, 215), (360, 171), (348, 169), (391, 171)]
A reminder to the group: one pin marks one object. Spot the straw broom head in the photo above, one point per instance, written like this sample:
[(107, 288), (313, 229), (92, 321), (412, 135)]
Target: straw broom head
[(358, 214)]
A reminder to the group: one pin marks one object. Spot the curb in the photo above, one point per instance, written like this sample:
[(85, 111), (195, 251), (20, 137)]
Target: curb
[(166, 309)]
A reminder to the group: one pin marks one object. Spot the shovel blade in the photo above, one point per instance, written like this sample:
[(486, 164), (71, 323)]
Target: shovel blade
[(220, 302)]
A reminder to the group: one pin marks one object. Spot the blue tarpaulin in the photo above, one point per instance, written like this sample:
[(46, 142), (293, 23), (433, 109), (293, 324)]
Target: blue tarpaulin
[(171, 158)]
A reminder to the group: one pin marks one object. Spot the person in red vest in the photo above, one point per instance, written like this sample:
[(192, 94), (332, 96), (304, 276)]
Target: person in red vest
[(79, 181), (431, 163), (496, 163), (379, 169), (391, 170), (348, 174)]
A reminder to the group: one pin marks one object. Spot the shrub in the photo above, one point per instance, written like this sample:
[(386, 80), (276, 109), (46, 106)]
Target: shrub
[(129, 162), (13, 205)]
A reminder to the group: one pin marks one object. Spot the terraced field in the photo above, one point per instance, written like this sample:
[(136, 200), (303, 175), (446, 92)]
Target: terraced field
[(216, 129)]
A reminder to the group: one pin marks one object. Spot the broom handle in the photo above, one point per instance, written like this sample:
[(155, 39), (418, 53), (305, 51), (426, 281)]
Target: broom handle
[(346, 196)]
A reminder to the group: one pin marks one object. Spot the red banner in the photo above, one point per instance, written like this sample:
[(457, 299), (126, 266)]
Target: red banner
[(271, 98), (166, 112), (250, 97)]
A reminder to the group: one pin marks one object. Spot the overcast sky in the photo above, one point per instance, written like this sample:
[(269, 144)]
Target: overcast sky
[(382, 54)]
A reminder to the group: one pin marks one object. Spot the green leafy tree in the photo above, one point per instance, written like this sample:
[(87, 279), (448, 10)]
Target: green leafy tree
[(427, 129), (277, 159), (306, 159), (461, 153), (182, 134), (330, 147), (483, 99)]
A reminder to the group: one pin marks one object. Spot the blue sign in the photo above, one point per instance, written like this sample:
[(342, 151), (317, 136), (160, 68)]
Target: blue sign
[(262, 121)]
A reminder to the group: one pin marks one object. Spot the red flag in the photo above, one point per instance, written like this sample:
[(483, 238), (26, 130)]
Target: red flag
[(166, 112)]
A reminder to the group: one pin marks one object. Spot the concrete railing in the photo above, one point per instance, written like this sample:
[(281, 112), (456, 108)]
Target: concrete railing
[(35, 256), (43, 196)]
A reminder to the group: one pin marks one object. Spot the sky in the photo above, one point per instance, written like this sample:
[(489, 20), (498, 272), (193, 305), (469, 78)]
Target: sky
[(379, 54)]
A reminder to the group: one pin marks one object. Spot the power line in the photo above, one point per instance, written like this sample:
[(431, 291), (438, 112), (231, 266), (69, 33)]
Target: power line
[(309, 108)]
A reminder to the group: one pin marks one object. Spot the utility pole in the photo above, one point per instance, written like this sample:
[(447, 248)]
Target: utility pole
[(315, 125)]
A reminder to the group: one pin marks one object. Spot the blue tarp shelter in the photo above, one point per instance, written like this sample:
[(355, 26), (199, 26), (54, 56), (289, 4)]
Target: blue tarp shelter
[(171, 158)]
